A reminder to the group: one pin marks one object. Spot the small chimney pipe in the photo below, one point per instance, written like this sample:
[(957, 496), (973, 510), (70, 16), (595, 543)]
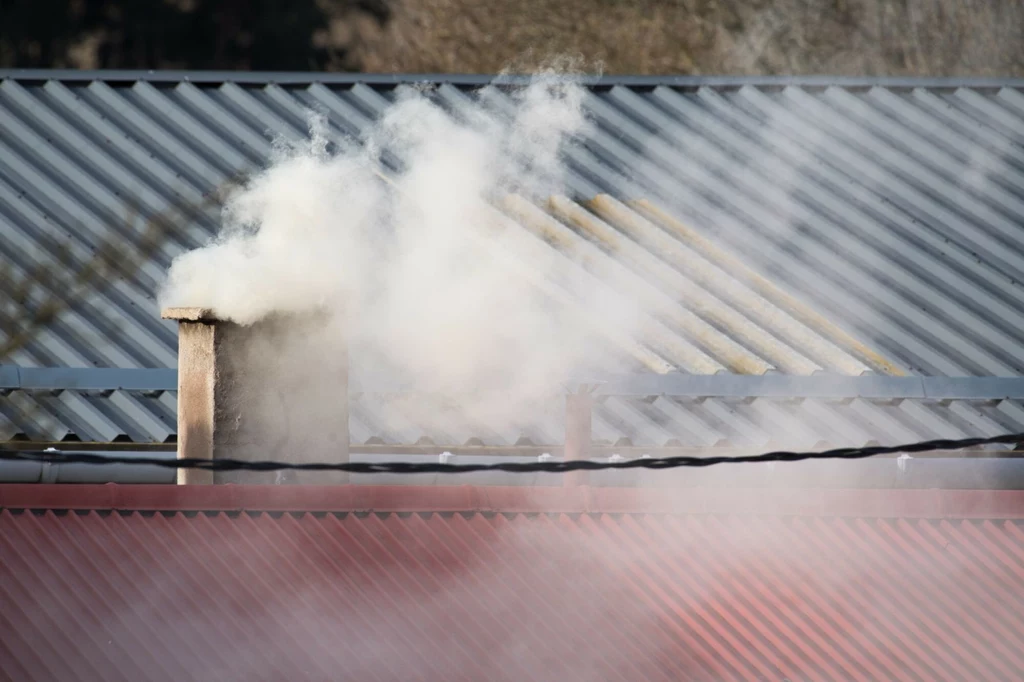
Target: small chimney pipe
[(197, 376), (276, 389)]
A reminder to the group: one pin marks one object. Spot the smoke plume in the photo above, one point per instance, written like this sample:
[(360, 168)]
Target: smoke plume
[(395, 238)]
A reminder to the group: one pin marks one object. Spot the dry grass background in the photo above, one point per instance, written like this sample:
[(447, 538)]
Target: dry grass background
[(831, 37), (839, 37)]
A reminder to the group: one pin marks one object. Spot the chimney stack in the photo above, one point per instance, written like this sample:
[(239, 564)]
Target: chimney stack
[(276, 389)]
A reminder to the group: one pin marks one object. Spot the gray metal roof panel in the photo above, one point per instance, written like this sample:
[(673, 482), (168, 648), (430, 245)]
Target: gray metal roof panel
[(872, 220), (89, 416), (897, 202)]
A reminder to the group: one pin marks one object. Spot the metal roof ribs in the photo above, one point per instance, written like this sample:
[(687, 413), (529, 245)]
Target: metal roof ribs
[(822, 386)]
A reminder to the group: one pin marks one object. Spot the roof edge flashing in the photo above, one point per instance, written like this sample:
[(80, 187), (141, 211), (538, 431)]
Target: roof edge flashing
[(479, 80), (896, 503)]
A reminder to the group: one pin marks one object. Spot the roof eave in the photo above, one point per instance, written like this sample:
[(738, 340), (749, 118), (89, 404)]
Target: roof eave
[(895, 503)]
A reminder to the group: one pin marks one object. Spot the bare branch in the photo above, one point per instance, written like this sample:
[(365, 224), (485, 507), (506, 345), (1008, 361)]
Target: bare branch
[(33, 299)]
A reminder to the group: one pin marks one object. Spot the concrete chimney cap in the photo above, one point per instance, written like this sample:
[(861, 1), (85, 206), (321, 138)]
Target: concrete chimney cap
[(188, 314)]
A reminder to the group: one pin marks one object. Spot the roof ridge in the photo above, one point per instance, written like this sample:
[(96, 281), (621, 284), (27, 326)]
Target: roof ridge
[(473, 80), (891, 503)]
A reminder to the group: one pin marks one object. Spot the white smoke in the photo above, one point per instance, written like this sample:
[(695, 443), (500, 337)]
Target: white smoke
[(433, 283)]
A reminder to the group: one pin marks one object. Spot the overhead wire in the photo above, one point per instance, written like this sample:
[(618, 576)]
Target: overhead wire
[(550, 466)]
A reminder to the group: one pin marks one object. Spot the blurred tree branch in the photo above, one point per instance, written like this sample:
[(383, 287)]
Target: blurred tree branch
[(32, 298), (37, 291), (173, 34)]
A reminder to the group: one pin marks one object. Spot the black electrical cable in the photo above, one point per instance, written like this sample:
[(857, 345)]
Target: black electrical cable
[(556, 467)]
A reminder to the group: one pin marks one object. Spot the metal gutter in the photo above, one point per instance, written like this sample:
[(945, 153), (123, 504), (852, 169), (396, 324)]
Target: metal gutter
[(87, 379), (44, 472), (477, 80), (822, 386), (89, 446)]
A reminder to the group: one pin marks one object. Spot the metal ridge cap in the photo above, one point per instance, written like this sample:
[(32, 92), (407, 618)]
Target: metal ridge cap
[(903, 503), (476, 80)]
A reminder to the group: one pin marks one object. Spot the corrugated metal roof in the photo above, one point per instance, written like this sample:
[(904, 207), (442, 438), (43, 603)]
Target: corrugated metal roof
[(657, 421), (539, 596), (92, 416), (771, 226)]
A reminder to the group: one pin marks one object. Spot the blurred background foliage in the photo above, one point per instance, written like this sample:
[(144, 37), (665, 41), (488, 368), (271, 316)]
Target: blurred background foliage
[(838, 37)]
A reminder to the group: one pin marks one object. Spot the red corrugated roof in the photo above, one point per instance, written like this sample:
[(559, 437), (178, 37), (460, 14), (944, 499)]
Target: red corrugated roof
[(450, 593)]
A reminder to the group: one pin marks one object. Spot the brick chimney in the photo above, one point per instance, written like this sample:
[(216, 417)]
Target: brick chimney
[(276, 389)]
